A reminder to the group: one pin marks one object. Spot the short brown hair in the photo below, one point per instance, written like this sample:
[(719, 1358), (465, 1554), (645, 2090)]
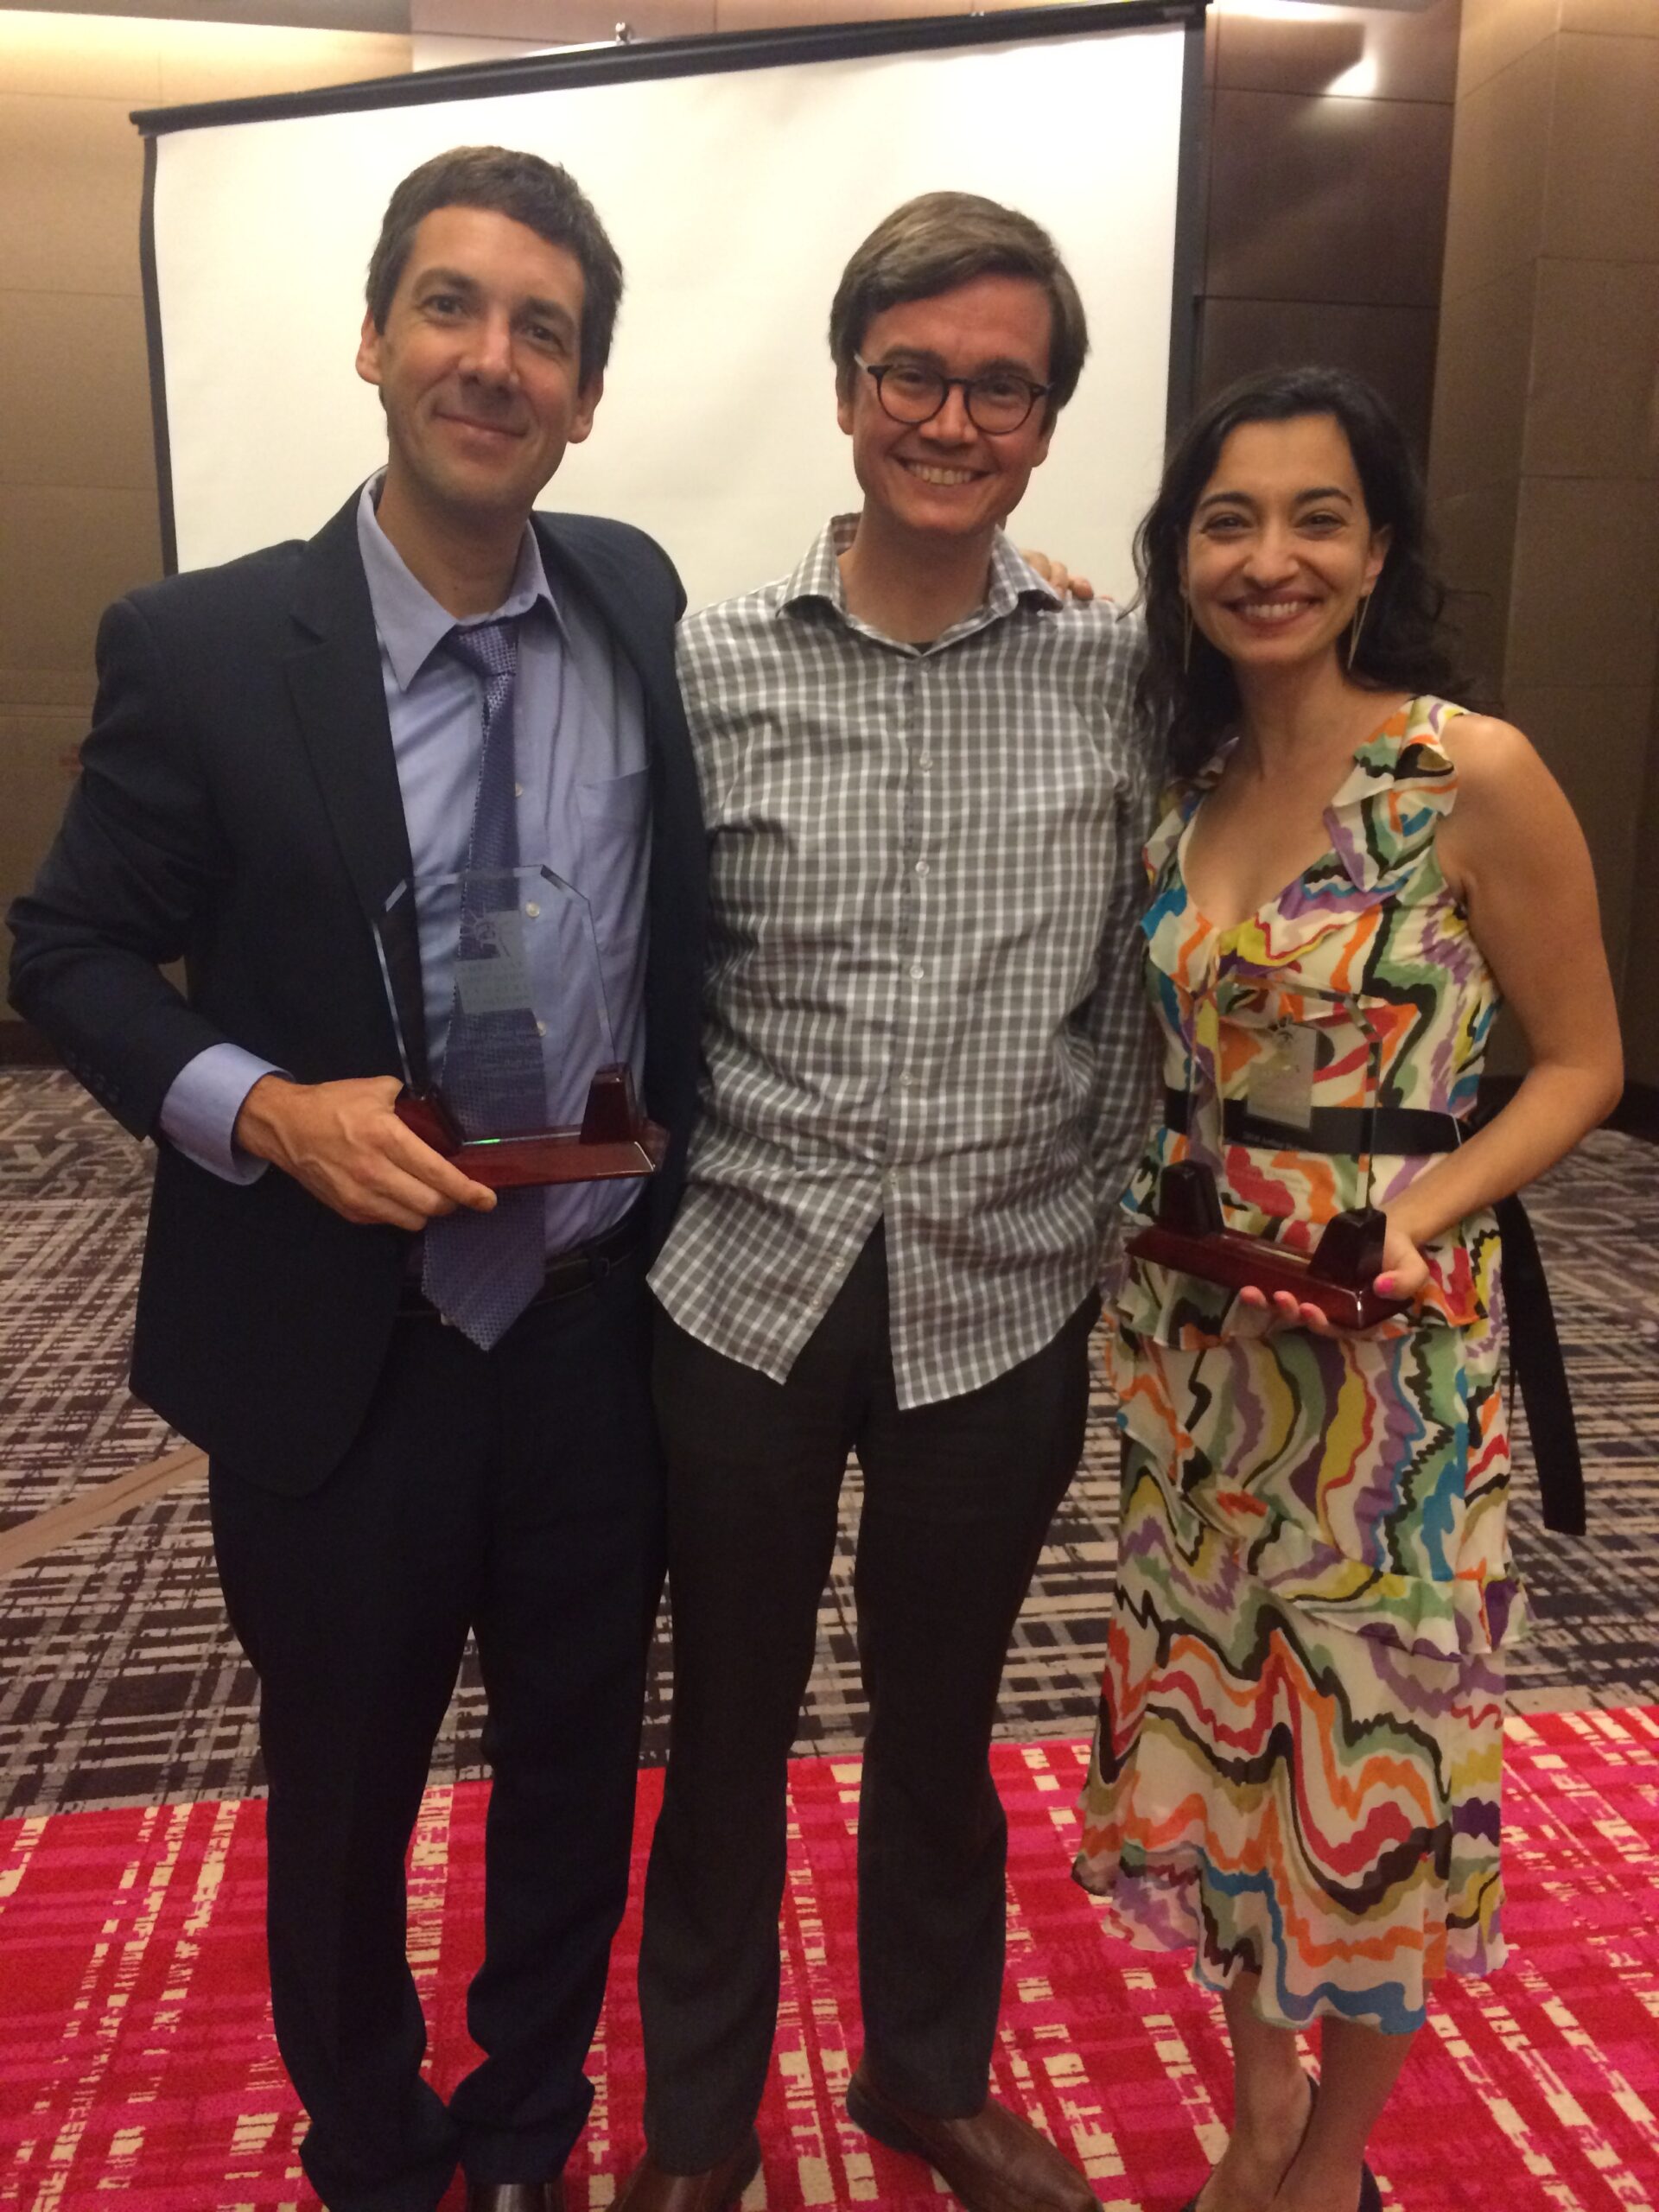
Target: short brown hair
[(539, 194), (942, 240)]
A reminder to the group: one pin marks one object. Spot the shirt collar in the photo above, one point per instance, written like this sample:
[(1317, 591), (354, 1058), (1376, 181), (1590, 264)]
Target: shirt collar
[(410, 623), (817, 578)]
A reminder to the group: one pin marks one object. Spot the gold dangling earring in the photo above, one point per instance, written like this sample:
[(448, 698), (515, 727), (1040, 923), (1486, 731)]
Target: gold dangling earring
[(1187, 641), (1359, 618)]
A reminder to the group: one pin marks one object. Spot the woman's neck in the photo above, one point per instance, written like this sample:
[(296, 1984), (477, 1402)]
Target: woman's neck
[(1291, 717)]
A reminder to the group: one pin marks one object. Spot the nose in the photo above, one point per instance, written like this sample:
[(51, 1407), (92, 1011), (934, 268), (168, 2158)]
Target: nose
[(952, 425), (490, 354), (1271, 557)]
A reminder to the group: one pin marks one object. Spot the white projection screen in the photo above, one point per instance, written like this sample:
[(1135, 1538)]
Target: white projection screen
[(735, 176)]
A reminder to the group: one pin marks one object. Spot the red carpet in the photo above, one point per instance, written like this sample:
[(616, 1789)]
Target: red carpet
[(137, 2063)]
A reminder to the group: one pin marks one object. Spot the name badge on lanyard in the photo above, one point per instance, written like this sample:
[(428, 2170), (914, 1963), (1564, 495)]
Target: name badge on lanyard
[(1281, 1078)]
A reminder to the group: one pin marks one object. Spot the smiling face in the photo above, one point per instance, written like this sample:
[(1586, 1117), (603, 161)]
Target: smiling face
[(945, 478), (478, 366), (1281, 549)]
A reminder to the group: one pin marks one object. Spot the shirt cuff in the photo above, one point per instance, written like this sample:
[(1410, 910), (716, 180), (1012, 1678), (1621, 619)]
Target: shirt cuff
[(198, 1112)]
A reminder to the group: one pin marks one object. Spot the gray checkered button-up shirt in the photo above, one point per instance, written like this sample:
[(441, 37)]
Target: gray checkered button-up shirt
[(925, 1001)]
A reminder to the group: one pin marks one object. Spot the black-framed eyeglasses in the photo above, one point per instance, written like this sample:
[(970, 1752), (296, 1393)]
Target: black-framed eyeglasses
[(997, 402)]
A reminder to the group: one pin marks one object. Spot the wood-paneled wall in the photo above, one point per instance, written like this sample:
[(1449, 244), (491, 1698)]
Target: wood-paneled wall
[(1330, 140), (1544, 460)]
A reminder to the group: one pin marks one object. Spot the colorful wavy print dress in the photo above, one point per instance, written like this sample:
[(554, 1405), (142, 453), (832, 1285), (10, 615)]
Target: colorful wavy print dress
[(1297, 1766)]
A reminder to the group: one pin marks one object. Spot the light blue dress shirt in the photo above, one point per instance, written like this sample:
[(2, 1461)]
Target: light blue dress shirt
[(583, 811)]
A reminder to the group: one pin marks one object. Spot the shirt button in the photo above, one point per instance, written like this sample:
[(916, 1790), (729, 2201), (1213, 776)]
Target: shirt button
[(517, 790), (926, 761), (917, 972), (532, 909), (541, 1029), (922, 868)]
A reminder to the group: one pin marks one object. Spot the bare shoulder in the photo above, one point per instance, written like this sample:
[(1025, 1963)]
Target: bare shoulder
[(1481, 744), (1499, 768), (1512, 820)]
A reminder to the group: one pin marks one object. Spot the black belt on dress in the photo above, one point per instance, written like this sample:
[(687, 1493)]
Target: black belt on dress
[(566, 1271), (1355, 1130), (1535, 1360)]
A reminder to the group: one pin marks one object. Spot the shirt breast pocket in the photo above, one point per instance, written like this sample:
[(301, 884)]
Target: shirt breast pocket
[(615, 816)]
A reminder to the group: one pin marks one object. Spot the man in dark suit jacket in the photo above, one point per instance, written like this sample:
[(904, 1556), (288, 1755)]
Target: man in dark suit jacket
[(278, 744)]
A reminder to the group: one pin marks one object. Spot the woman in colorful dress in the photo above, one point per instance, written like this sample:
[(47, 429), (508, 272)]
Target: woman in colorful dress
[(1296, 1771)]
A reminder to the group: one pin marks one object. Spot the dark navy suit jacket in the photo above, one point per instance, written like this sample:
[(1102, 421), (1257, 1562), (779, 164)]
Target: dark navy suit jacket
[(238, 809)]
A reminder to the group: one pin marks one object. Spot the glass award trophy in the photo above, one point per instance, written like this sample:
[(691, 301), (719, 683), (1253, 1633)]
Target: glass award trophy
[(1190, 1233), (531, 1088)]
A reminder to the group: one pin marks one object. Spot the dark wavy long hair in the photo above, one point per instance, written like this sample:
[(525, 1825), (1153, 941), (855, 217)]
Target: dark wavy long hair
[(1401, 645)]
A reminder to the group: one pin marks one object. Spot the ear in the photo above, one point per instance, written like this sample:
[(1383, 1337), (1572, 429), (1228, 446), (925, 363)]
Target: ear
[(368, 352), (1380, 541), (846, 391), (588, 401)]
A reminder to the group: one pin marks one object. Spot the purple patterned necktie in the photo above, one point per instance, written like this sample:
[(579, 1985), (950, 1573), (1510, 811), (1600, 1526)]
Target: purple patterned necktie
[(482, 1270)]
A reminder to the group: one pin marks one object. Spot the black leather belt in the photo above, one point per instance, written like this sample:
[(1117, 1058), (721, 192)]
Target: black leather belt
[(566, 1271), (1535, 1360), (1349, 1130)]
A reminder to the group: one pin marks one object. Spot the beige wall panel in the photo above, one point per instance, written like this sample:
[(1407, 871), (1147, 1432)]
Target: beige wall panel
[(1495, 215), (1585, 603), (1603, 201), (551, 21), (1480, 384), (37, 767), (65, 555), (1595, 741), (74, 392), (765, 15), (1595, 374), (1496, 33), (1629, 18), (70, 689), (1381, 55), (1296, 185), (225, 61), (71, 176), (116, 58)]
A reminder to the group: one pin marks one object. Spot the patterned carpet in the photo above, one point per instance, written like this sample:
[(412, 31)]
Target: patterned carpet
[(136, 2055), (119, 1684)]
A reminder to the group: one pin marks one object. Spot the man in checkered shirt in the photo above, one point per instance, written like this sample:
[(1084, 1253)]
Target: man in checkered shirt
[(926, 1084)]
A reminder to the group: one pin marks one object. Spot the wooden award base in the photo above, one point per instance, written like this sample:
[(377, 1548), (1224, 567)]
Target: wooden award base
[(612, 1138), (1337, 1277)]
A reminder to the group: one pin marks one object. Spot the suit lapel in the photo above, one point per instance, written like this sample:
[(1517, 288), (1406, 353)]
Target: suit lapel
[(640, 636), (334, 678)]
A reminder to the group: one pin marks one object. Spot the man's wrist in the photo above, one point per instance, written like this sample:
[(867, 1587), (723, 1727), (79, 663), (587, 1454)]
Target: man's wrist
[(260, 1124)]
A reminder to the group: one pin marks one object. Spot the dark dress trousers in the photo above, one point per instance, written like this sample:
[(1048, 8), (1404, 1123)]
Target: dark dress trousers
[(378, 1485)]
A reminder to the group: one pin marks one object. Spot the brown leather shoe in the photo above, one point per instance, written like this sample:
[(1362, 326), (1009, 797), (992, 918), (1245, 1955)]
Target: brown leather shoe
[(649, 2188), (515, 2196), (994, 2162)]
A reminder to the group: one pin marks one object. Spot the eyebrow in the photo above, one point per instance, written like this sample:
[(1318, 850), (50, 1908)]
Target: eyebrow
[(1243, 499), (1008, 362)]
